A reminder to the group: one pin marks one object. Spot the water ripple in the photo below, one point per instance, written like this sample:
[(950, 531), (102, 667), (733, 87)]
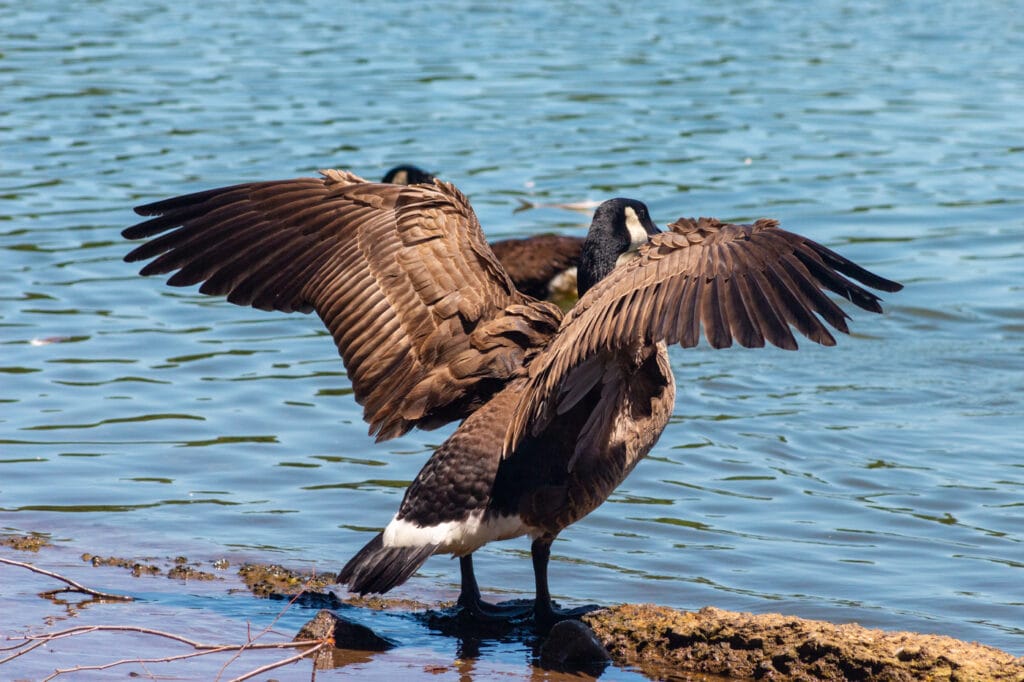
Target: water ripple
[(824, 483)]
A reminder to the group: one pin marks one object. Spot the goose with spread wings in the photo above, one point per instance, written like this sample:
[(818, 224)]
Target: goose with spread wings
[(555, 409)]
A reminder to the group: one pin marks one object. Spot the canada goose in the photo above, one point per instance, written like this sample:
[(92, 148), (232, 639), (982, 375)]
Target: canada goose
[(556, 410), (408, 174), (542, 266)]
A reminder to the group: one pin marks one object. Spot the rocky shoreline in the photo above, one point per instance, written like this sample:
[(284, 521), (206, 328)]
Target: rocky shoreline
[(659, 642), (664, 643)]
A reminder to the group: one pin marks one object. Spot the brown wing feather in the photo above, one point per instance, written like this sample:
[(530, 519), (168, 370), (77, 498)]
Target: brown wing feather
[(427, 321), (743, 283)]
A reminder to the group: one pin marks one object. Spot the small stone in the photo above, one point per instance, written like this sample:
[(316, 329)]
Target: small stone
[(186, 573), (346, 635), (571, 646)]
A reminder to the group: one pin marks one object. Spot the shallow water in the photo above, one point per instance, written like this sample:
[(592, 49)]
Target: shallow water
[(880, 481)]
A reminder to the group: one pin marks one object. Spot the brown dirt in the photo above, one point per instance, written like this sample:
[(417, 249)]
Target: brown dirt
[(665, 643)]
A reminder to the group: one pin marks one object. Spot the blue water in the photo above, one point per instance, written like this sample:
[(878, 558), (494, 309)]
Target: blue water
[(880, 481)]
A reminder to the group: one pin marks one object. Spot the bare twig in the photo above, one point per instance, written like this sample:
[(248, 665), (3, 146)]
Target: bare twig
[(28, 643), (73, 586), (34, 645), (285, 661), (270, 625), (88, 629), (201, 649), (104, 666)]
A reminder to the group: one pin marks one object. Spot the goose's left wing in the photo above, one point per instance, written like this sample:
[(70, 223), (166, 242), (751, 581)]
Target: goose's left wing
[(743, 283)]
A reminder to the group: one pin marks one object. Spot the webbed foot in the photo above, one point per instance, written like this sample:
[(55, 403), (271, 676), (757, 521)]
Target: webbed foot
[(545, 615)]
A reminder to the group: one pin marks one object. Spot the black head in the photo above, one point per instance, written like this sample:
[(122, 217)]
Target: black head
[(407, 175), (619, 228)]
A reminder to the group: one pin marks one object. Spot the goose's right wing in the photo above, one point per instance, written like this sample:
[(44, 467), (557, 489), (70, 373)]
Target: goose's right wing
[(743, 283), (424, 317)]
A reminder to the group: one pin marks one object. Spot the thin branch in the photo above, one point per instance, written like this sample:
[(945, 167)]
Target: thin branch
[(201, 649), (87, 629), (285, 661), (31, 642), (34, 645), (104, 666), (269, 626), (73, 586)]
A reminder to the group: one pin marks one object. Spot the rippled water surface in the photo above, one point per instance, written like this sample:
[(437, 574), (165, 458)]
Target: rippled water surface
[(880, 481)]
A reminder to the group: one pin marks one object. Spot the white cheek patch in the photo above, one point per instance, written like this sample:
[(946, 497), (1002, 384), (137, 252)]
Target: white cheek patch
[(637, 236), (637, 233)]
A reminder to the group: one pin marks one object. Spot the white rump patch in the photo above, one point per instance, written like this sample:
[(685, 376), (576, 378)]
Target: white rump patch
[(454, 537)]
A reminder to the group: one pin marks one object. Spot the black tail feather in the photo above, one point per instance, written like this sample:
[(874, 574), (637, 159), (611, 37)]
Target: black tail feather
[(377, 568)]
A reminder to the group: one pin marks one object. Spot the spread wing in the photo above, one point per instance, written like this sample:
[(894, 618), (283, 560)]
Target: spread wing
[(424, 317), (743, 283)]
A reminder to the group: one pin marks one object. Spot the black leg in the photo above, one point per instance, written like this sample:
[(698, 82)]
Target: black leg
[(544, 613), (474, 607), (469, 595)]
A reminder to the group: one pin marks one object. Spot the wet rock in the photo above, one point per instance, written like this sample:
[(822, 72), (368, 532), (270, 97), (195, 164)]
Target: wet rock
[(663, 642), (138, 568), (25, 543), (183, 572), (348, 638), (573, 646), (266, 580)]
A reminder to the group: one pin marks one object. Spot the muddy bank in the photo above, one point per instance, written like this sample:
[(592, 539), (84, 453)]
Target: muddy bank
[(662, 642), (392, 635)]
